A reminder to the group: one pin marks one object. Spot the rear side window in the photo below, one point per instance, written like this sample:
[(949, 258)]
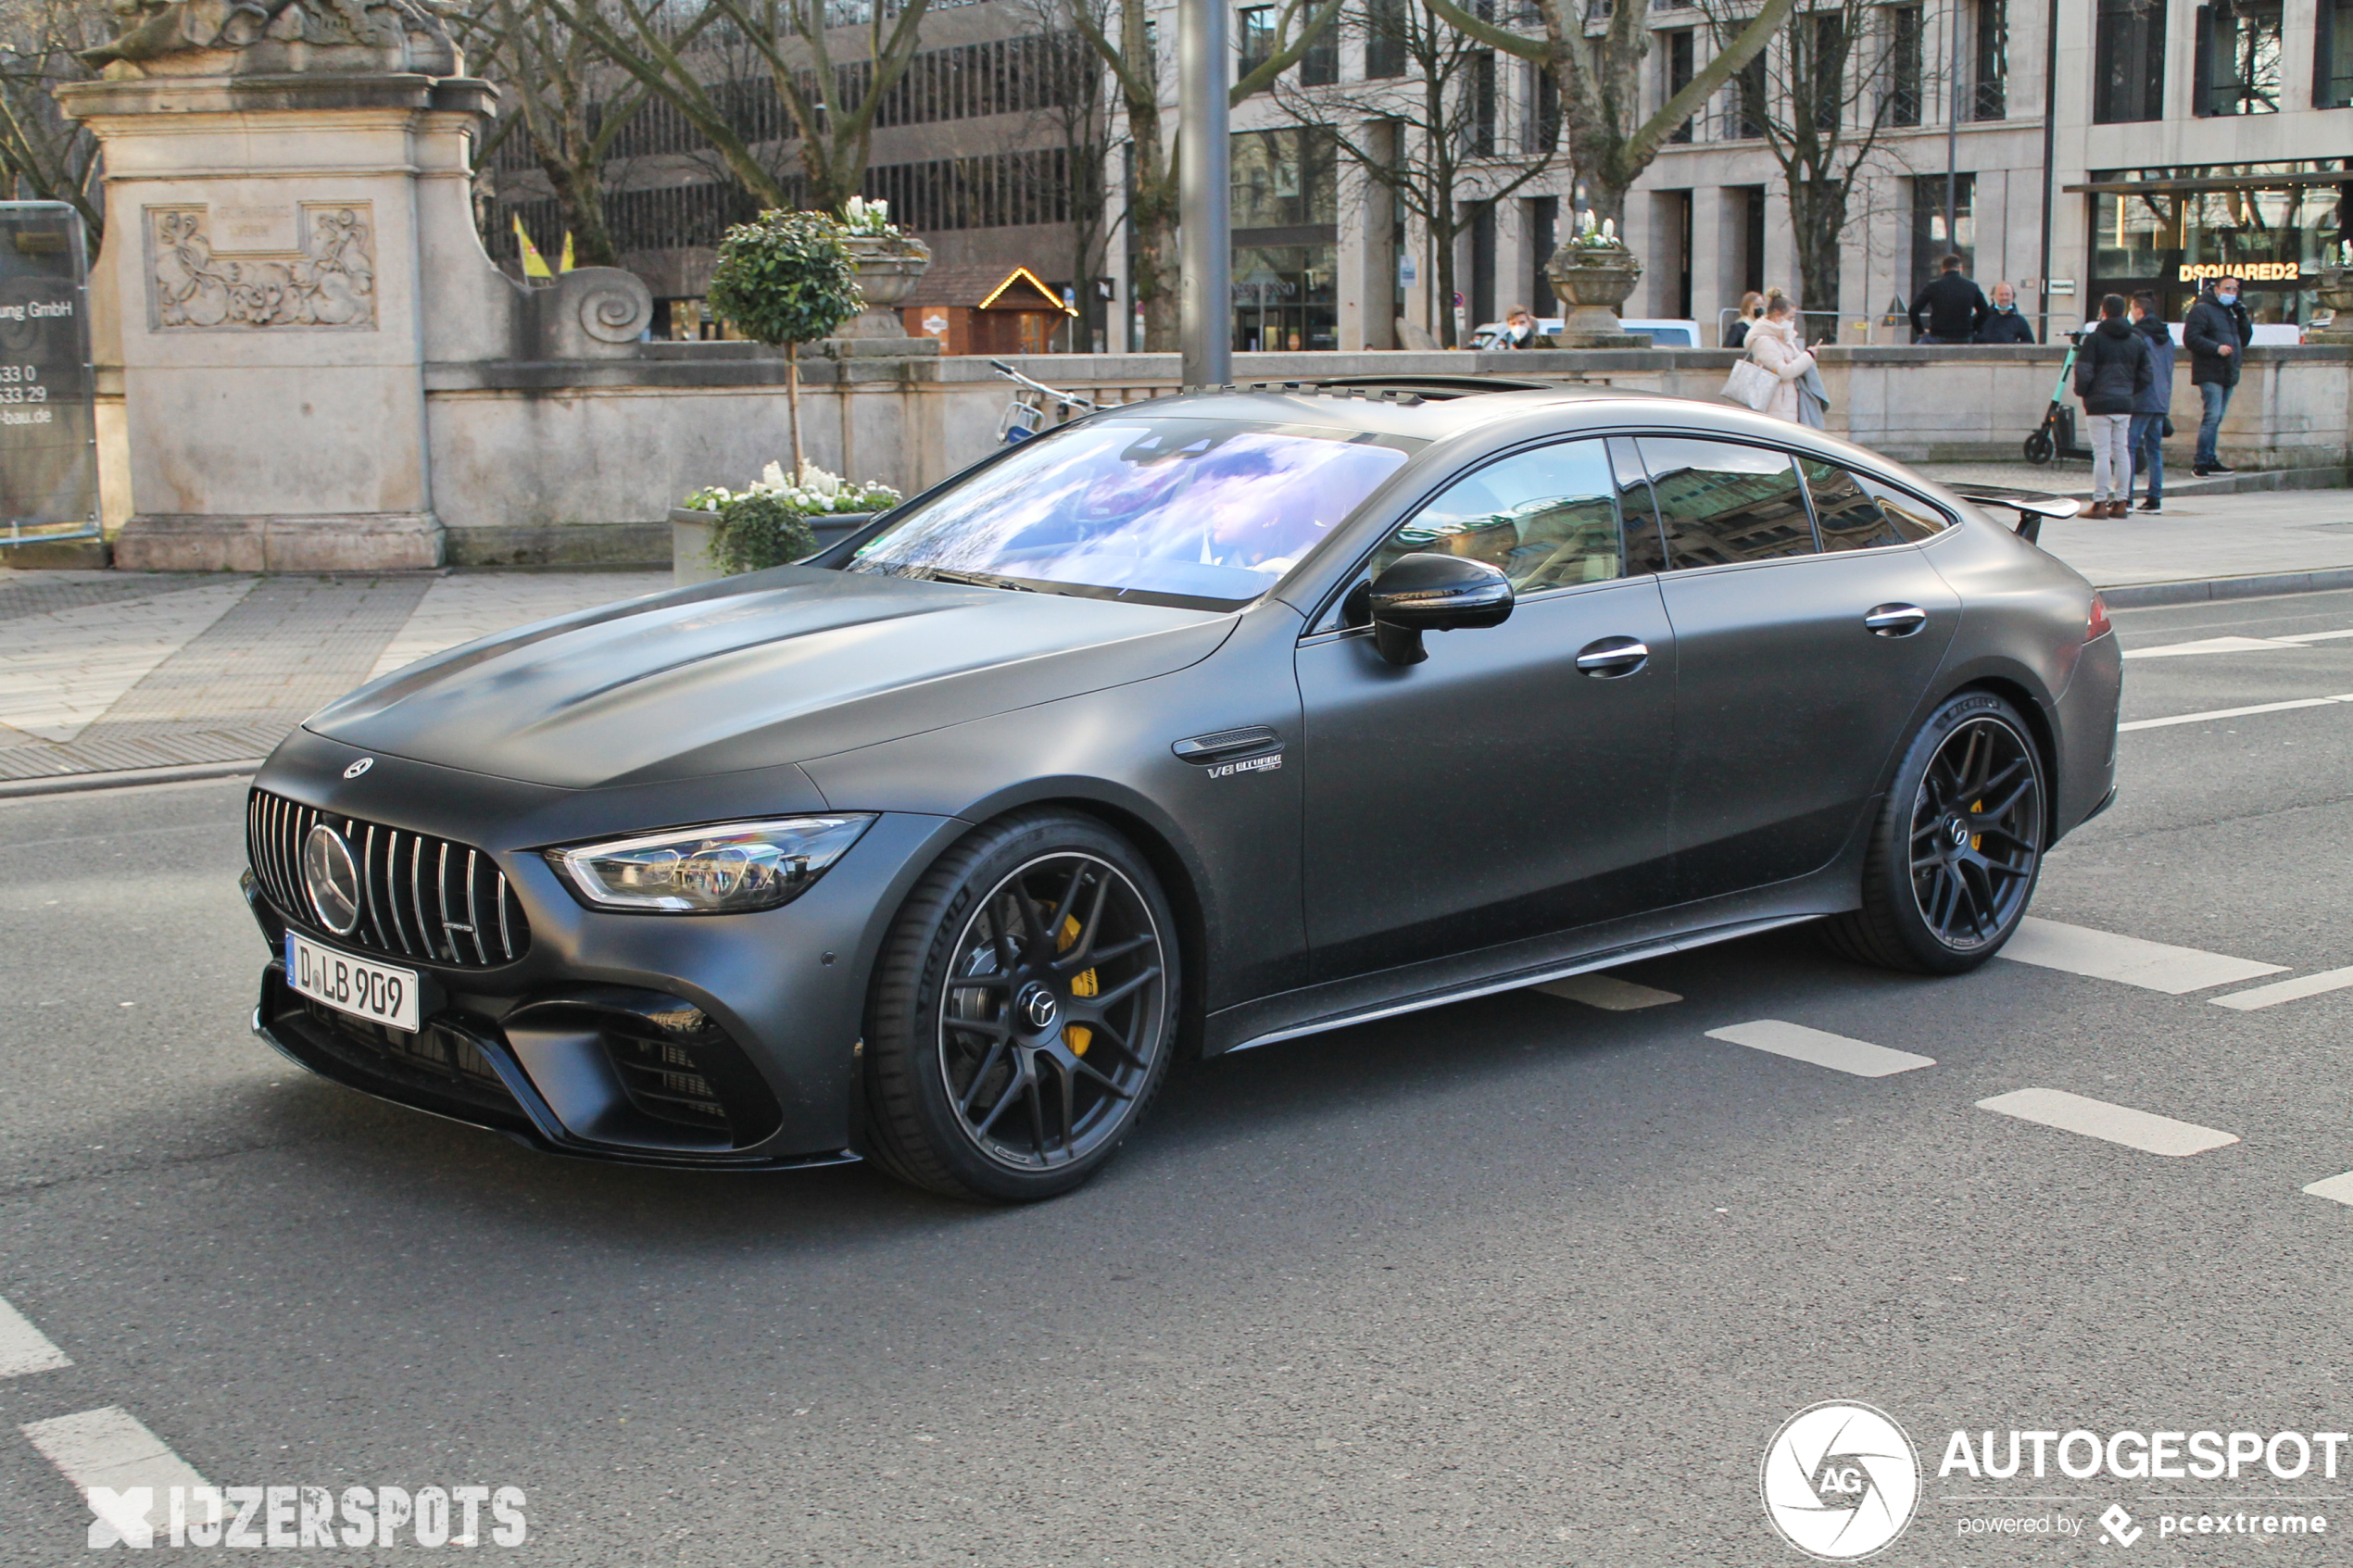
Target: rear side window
[(1912, 518), (1721, 502), (1852, 516), (1548, 518)]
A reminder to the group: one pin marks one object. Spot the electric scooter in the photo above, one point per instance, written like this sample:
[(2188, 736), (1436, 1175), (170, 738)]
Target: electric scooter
[(2055, 438)]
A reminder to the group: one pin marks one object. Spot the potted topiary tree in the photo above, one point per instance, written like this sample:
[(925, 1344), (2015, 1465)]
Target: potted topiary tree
[(786, 278)]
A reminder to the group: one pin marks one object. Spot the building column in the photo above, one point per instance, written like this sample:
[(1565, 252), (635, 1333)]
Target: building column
[(1716, 244)]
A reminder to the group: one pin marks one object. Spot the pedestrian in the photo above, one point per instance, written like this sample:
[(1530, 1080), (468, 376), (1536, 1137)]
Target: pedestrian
[(2216, 333), (2003, 322), (2151, 422), (1752, 307), (1951, 309), (1776, 344), (2112, 371)]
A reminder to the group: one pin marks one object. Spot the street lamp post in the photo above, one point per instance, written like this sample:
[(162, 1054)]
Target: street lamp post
[(1205, 332)]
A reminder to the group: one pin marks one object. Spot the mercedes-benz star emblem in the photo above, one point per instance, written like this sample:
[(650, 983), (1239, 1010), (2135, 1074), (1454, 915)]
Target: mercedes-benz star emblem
[(1038, 1005), (330, 879), (358, 768)]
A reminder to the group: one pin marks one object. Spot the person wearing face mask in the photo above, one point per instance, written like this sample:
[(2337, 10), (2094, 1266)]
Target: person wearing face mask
[(2003, 324), (1519, 330), (2216, 333)]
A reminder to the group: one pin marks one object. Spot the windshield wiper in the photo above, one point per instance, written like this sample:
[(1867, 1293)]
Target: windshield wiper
[(979, 580)]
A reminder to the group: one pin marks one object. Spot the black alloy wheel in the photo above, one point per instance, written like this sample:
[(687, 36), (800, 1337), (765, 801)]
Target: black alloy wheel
[(1024, 1011), (1954, 858)]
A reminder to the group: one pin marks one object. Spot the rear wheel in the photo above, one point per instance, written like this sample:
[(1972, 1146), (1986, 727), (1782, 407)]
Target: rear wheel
[(1958, 844), (1023, 1011)]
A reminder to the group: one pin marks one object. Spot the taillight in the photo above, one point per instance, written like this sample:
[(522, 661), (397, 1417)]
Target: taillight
[(2097, 626)]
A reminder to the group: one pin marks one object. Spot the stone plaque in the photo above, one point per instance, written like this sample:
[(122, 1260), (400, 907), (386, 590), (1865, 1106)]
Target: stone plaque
[(304, 264), (48, 454)]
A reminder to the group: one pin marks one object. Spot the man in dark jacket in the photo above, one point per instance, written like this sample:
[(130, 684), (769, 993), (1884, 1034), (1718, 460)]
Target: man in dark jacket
[(2112, 371), (2216, 333), (1950, 309), (2147, 437), (2003, 322)]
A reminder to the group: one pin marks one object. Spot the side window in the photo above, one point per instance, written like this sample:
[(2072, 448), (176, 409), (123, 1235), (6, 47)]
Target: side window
[(1721, 502), (1848, 518), (1912, 518), (1546, 517), (1645, 547)]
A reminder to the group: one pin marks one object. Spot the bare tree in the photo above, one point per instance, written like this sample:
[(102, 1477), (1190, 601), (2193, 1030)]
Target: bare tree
[(45, 155), (1121, 33), (1599, 66), (829, 101), (1076, 114), (569, 102), (1820, 95), (1442, 113)]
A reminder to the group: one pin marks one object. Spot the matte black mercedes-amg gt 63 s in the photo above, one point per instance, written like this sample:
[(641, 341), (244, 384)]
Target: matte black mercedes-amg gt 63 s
[(1135, 739)]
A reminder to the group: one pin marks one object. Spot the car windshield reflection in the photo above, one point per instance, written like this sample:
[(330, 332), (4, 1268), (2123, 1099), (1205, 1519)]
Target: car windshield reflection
[(1207, 513)]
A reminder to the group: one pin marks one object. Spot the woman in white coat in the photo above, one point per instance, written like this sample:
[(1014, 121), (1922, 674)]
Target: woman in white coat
[(1777, 346)]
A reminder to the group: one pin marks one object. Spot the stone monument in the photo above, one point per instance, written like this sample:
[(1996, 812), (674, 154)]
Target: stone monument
[(281, 177)]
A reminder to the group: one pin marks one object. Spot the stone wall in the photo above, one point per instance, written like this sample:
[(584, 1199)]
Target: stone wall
[(540, 461)]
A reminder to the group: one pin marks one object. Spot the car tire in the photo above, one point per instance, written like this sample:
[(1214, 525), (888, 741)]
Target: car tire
[(980, 1025), (1958, 847)]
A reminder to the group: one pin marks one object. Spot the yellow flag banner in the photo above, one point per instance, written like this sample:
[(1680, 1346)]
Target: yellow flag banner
[(534, 264)]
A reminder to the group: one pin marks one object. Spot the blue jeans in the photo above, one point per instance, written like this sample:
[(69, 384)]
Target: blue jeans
[(2216, 398), (2147, 442)]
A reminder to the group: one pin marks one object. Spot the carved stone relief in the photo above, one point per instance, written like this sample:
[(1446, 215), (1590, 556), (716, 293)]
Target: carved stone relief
[(325, 277)]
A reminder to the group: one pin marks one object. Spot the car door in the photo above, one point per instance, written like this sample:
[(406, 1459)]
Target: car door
[(1800, 658), (1500, 789)]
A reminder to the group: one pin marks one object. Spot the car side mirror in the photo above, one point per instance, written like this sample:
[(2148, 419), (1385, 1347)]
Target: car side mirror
[(1432, 593)]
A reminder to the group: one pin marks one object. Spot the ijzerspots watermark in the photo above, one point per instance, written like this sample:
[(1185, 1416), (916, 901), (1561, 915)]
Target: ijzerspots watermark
[(300, 1518), (1841, 1482)]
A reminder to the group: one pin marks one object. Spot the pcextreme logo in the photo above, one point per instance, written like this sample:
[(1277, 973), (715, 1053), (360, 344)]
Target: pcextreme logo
[(1841, 1480)]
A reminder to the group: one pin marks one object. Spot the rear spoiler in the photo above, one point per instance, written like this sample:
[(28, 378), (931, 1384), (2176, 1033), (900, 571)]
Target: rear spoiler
[(2031, 506)]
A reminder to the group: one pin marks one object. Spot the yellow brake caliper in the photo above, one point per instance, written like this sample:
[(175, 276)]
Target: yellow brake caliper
[(1078, 1037), (1977, 840)]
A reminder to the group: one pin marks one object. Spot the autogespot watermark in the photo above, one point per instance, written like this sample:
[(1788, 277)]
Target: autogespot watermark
[(1841, 1482), (306, 1518)]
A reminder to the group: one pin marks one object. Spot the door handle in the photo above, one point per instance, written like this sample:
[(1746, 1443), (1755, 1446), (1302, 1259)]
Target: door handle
[(1612, 658), (1895, 621)]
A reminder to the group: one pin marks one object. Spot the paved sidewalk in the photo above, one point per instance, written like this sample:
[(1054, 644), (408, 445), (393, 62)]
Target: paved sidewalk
[(105, 672)]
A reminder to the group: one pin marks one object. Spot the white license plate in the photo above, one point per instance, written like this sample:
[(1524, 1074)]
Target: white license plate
[(376, 992)]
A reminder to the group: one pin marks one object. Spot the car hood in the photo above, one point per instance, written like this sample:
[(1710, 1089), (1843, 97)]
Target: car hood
[(762, 671)]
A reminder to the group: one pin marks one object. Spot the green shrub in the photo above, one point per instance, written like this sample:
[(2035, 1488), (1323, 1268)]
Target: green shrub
[(755, 530)]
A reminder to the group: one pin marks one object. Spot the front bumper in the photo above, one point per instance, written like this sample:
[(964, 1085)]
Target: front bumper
[(708, 1042)]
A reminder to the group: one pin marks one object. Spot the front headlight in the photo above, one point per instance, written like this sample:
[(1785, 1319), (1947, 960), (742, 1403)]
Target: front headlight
[(730, 868)]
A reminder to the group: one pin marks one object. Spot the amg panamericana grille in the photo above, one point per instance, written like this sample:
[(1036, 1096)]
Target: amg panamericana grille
[(420, 897)]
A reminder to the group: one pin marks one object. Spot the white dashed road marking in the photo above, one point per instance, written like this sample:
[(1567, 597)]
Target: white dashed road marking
[(110, 1448), (25, 1349), (2102, 955), (2286, 990), (2234, 644), (1835, 1051), (2337, 1189), (1606, 991), (2117, 1124), (2234, 712)]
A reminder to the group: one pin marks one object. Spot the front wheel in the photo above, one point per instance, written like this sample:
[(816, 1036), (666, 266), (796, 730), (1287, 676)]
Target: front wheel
[(1954, 854), (2039, 449), (1024, 1010)]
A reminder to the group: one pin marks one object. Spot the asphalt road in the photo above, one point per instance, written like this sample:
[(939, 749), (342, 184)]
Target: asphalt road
[(1523, 1281)]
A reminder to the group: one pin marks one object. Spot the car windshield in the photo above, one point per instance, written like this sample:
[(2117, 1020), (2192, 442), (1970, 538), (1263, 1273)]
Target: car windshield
[(1191, 511)]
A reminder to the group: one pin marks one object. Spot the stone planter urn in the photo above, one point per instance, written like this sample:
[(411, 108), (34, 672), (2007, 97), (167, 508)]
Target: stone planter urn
[(888, 270), (2335, 292), (1591, 280), (690, 541)]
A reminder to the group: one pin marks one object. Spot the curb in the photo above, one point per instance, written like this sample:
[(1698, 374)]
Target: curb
[(125, 778), (2140, 595)]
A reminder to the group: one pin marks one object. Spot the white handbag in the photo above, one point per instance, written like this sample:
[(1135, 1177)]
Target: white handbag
[(1750, 383)]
